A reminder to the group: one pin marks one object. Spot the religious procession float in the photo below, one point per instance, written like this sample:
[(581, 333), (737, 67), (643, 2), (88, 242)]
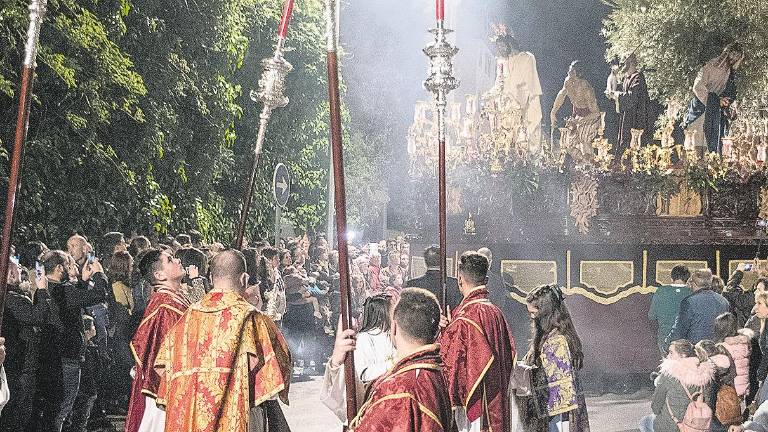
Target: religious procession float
[(603, 217)]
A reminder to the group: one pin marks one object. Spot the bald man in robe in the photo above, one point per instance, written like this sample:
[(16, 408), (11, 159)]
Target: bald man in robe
[(224, 363)]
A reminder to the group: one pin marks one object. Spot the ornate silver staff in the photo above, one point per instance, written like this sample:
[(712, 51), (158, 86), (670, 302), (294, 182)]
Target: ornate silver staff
[(271, 95), (441, 82), (37, 10)]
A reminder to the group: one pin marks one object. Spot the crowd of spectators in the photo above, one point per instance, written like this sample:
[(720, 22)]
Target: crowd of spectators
[(712, 338), (72, 312)]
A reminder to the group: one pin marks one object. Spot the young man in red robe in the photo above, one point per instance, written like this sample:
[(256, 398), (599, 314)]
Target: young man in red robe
[(223, 364), (412, 396), (479, 352), (166, 305)]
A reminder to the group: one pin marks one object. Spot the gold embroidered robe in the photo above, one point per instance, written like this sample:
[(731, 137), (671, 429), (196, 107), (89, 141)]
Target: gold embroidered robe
[(221, 359)]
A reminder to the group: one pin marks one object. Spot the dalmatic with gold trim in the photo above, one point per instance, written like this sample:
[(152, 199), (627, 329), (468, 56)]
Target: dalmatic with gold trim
[(479, 352), (163, 311), (222, 358), (411, 397)]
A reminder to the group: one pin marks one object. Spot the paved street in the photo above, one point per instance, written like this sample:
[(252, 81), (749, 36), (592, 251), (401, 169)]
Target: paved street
[(610, 413)]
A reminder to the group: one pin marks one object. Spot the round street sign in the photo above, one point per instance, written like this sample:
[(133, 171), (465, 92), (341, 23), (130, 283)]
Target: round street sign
[(281, 185)]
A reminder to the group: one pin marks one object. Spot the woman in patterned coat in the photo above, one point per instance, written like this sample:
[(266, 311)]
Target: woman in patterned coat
[(556, 351)]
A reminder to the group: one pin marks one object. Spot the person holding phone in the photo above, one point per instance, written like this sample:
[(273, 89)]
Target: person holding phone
[(71, 292), (22, 321), (742, 300)]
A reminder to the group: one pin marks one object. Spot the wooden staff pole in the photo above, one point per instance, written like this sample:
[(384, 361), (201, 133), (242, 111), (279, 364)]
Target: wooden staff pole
[(442, 223), (248, 193), (36, 14), (441, 104), (339, 202)]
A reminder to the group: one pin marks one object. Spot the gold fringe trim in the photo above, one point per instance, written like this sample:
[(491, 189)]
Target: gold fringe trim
[(595, 297)]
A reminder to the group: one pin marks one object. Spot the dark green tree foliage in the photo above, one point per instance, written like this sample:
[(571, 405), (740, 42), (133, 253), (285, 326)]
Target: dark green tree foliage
[(141, 118), (674, 38), (73, 174)]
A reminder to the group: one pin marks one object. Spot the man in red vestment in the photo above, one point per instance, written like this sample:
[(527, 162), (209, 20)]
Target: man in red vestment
[(478, 351), (166, 305), (223, 364), (412, 396)]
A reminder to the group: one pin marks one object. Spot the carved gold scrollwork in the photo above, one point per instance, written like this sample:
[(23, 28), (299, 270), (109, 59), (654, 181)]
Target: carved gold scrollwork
[(583, 199), (685, 203), (764, 203)]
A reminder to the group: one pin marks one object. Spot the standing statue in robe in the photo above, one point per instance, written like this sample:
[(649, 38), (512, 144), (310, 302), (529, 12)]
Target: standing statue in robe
[(714, 96), (584, 122), (633, 106), (518, 80)]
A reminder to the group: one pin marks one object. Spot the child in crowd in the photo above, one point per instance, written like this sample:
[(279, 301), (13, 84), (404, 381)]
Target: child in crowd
[(739, 344), (682, 376), (556, 350), (725, 373), (297, 291)]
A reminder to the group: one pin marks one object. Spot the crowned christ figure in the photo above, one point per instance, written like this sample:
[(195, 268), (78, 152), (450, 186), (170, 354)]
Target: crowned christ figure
[(517, 85)]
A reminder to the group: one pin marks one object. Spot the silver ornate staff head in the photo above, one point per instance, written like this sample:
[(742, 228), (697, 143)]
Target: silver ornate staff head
[(440, 53), (271, 90), (441, 80), (37, 10), (332, 10)]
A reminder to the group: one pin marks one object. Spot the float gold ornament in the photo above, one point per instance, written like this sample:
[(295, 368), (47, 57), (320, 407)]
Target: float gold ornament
[(583, 201)]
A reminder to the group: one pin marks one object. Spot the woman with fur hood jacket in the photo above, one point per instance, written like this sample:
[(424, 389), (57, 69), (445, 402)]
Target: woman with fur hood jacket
[(680, 368), (739, 346)]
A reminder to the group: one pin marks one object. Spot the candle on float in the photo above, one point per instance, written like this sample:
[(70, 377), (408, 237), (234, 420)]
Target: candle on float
[(440, 10), (285, 19)]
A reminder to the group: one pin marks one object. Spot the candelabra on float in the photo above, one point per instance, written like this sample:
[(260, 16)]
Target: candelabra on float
[(603, 158)]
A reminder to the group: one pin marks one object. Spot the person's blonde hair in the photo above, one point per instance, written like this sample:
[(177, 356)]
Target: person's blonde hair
[(762, 297)]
